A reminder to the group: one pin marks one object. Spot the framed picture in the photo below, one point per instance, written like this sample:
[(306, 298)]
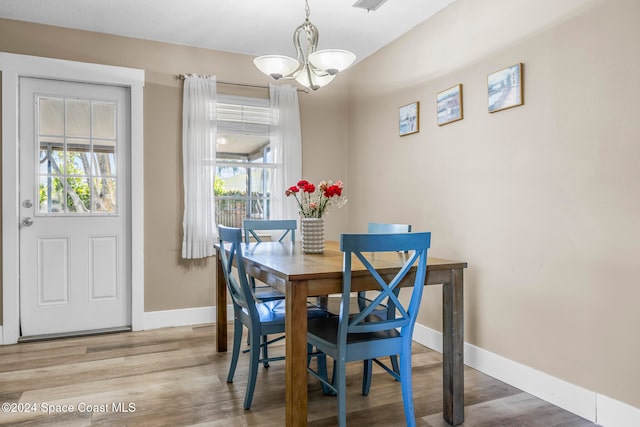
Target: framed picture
[(504, 88), (449, 105), (409, 119)]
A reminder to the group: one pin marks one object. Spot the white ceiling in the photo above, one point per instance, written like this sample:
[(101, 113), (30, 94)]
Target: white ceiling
[(253, 27)]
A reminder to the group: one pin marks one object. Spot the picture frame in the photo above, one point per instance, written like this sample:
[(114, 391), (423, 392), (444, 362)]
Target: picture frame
[(504, 88), (449, 105), (409, 119)]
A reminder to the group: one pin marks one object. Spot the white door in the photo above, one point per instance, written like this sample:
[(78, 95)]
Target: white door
[(75, 250)]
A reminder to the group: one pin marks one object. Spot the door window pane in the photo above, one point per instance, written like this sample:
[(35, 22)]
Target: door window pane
[(78, 157), (104, 162), (51, 116), (78, 116), (104, 120), (51, 193), (104, 195), (78, 195), (51, 156)]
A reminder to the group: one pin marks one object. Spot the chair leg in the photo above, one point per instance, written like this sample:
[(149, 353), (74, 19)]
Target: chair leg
[(333, 373), (265, 351), (237, 340), (407, 388), (339, 374), (321, 360), (366, 376), (254, 352), (394, 364)]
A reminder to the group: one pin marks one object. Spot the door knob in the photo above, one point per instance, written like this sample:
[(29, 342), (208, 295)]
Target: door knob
[(27, 203), (27, 222)]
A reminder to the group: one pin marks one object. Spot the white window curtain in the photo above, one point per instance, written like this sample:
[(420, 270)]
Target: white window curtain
[(198, 161), (286, 146)]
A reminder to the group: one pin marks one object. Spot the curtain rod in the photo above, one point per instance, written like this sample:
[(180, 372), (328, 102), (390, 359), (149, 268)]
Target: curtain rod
[(182, 77)]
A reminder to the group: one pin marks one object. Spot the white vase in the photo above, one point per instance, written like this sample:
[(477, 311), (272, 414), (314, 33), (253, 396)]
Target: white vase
[(312, 235)]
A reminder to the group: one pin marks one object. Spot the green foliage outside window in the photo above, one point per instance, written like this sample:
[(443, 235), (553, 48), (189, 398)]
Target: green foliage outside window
[(218, 186)]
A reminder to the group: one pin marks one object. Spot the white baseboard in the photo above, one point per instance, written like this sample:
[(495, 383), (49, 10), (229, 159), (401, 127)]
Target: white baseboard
[(574, 399), (428, 337), (183, 317), (594, 407), (612, 412)]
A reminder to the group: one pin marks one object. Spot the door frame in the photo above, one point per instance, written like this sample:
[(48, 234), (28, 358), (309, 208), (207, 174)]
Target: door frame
[(14, 66)]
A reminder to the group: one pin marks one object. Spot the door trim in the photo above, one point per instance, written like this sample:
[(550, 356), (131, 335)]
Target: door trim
[(14, 66)]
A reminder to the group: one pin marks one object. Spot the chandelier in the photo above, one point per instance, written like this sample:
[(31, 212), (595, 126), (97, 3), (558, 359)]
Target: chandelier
[(312, 68)]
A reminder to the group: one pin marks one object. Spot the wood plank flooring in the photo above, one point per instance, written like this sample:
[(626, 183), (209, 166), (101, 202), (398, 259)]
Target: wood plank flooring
[(174, 377)]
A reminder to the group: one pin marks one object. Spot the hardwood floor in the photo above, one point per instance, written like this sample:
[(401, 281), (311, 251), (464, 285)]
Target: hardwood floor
[(174, 377)]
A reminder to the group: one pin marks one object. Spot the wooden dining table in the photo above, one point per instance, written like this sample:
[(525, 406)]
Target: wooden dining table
[(298, 276)]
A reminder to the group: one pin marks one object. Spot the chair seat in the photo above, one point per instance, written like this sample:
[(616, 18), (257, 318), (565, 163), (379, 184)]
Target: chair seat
[(271, 311), (327, 330), (274, 311)]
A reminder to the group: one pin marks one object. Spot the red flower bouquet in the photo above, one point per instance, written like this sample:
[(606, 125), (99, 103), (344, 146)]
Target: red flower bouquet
[(314, 201)]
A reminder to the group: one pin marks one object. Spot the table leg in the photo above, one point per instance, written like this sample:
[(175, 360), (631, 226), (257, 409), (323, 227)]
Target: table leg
[(221, 302), (296, 354), (453, 349)]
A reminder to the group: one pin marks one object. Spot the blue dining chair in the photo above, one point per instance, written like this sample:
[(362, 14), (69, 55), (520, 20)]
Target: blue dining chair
[(333, 305), (364, 336), (287, 227), (260, 318)]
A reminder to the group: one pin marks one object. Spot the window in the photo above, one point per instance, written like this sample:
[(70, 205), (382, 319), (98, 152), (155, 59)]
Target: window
[(244, 164), (77, 165)]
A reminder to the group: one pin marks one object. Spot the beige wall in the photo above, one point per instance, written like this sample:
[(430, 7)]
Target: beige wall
[(541, 200), (170, 282)]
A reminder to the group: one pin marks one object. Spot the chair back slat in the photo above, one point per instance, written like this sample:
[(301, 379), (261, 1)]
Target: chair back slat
[(362, 247), (389, 291), (288, 227)]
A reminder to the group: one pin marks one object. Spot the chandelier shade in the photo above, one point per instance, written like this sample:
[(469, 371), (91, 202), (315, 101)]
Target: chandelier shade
[(332, 60), (312, 68), (276, 66)]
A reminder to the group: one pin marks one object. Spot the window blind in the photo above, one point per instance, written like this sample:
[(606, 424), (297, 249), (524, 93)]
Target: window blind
[(243, 115)]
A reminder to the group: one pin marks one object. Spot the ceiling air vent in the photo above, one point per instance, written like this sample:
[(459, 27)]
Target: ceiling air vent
[(369, 4)]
